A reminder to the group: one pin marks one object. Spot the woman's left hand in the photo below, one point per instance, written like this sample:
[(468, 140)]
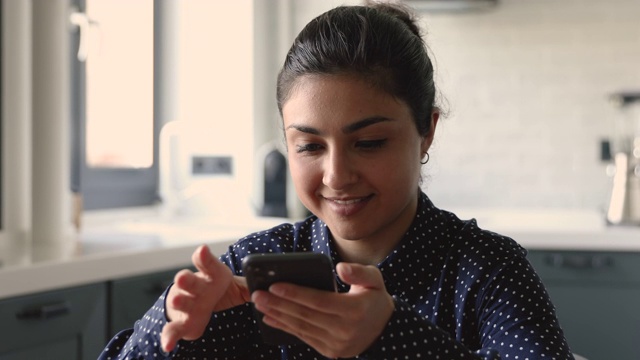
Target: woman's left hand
[(336, 325)]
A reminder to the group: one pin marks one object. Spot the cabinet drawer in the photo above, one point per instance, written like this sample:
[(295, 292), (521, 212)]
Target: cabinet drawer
[(132, 297), (606, 267), (69, 321)]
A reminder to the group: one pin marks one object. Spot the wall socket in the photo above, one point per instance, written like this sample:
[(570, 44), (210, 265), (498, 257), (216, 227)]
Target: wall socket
[(211, 165)]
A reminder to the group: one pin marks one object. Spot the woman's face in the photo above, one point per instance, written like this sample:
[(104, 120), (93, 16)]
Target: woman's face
[(354, 156)]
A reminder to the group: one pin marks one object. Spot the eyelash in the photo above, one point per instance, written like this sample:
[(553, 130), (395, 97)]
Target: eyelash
[(371, 144), (365, 145), (307, 148)]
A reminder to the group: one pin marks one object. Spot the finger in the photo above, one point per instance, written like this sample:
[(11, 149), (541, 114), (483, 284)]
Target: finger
[(303, 312), (365, 276), (172, 332), (316, 337), (190, 284), (203, 259), (241, 281), (206, 263), (319, 327), (182, 302), (170, 335), (319, 300), (307, 324)]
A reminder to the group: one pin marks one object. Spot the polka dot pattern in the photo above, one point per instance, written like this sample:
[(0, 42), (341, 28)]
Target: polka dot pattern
[(460, 292)]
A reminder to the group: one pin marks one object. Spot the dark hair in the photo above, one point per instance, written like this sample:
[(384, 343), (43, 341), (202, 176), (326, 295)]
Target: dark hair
[(380, 43)]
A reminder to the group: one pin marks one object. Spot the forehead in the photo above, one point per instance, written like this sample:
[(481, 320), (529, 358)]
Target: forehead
[(345, 97)]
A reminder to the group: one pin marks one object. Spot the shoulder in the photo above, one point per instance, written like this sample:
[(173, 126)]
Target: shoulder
[(482, 261), (461, 239), (483, 246), (488, 240)]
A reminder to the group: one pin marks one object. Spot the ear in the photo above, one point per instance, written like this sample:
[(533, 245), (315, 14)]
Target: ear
[(427, 140)]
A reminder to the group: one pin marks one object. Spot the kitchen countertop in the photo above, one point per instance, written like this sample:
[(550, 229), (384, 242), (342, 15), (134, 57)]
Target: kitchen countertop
[(556, 229), (104, 251)]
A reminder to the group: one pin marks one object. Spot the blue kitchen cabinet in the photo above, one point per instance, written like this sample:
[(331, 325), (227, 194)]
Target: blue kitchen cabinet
[(75, 323), (132, 297), (597, 298), (65, 324)]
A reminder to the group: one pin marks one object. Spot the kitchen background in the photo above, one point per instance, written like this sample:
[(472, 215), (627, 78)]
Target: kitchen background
[(525, 85), (528, 86)]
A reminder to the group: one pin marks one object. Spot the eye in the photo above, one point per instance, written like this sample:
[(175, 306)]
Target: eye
[(371, 144), (308, 148)]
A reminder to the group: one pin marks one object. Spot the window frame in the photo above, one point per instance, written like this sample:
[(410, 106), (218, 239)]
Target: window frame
[(1, 119), (104, 188)]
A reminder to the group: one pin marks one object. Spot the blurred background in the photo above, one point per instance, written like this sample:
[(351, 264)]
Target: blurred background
[(526, 86), (140, 129)]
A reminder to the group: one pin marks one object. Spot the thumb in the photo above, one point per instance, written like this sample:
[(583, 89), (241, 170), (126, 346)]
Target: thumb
[(364, 276)]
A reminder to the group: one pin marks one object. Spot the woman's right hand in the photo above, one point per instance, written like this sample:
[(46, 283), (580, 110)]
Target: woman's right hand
[(195, 296)]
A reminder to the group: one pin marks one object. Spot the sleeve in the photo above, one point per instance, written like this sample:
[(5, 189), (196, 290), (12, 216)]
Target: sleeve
[(408, 336), (515, 317), (141, 342), (226, 336)]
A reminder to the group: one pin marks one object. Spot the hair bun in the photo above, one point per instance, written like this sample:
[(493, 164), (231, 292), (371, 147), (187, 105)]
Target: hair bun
[(400, 11)]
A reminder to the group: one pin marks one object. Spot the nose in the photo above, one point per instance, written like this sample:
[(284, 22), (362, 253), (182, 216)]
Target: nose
[(340, 170)]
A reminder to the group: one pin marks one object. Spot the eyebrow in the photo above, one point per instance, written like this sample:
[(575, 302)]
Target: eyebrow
[(348, 129), (363, 123)]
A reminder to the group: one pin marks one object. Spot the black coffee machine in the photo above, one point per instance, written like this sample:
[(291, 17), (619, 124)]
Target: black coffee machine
[(274, 185)]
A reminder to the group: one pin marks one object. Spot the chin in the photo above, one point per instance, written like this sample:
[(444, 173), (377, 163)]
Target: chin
[(347, 232)]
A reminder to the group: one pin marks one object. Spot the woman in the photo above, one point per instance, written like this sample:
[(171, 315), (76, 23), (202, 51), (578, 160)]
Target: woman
[(357, 98)]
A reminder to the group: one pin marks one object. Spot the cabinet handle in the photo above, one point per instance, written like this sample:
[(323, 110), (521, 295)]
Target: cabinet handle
[(45, 312), (575, 261)]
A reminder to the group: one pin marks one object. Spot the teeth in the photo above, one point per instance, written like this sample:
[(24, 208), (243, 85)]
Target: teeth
[(346, 202)]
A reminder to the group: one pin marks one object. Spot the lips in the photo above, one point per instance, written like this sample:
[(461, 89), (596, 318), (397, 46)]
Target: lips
[(347, 202), (348, 206)]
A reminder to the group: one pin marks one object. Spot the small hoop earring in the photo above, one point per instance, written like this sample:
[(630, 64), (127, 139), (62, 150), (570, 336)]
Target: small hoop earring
[(426, 161)]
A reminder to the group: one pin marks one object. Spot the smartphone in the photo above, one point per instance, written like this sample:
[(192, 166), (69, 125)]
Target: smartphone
[(303, 268)]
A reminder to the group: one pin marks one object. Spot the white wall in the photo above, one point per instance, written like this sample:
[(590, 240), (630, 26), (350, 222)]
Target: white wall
[(527, 88)]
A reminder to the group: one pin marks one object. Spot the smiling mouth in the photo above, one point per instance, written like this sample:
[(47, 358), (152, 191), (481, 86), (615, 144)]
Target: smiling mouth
[(347, 207), (349, 201)]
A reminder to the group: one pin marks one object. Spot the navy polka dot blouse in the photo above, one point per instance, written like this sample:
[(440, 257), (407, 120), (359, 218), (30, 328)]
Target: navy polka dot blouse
[(460, 293)]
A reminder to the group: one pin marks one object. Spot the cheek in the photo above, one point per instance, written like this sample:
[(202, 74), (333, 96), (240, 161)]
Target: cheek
[(304, 175), (401, 169)]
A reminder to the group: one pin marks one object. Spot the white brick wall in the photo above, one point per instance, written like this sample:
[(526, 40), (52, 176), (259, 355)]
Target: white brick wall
[(527, 88)]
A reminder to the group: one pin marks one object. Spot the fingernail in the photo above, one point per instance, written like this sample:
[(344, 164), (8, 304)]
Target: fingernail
[(277, 290), (166, 352), (347, 269), (259, 299), (269, 321)]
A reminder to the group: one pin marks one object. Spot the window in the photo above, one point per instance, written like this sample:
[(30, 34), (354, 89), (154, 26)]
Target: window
[(121, 92), (114, 152)]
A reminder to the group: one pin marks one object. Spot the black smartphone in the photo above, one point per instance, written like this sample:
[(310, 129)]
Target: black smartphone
[(303, 268)]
